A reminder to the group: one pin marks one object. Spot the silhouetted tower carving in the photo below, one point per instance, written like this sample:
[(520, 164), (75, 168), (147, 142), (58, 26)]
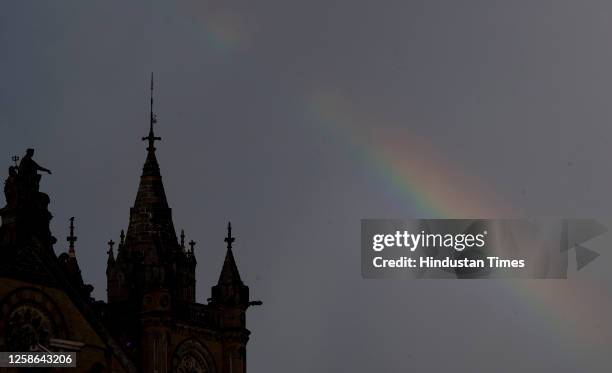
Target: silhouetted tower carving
[(231, 297), (70, 265), (230, 290), (150, 271), (150, 257), (71, 239), (151, 288)]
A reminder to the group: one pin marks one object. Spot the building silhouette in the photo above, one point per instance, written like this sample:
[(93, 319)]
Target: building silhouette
[(151, 321)]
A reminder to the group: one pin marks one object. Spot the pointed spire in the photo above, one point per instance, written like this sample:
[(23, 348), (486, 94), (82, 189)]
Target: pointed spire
[(230, 290), (111, 254), (183, 239), (71, 239), (151, 230), (229, 272)]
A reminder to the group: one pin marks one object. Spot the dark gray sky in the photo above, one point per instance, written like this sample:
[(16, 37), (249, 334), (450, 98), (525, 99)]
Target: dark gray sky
[(297, 119)]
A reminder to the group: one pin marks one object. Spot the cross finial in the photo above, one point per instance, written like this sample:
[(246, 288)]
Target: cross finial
[(110, 253), (182, 239), (15, 159), (192, 244), (153, 119), (72, 238), (229, 239)]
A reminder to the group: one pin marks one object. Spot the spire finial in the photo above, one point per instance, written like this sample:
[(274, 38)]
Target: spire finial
[(229, 239), (71, 239), (153, 119), (122, 238), (192, 244), (111, 255), (183, 239), (15, 159)]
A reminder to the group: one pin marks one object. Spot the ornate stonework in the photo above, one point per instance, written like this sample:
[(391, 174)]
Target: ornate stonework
[(28, 328), (192, 357), (28, 319)]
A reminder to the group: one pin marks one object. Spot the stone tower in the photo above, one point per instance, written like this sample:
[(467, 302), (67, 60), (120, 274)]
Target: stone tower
[(152, 310)]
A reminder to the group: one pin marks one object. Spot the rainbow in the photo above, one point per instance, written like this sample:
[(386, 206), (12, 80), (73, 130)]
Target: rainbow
[(420, 177), (412, 165)]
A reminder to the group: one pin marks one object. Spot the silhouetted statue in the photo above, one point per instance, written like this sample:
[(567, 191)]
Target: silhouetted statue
[(10, 187), (26, 215), (28, 166), (28, 170)]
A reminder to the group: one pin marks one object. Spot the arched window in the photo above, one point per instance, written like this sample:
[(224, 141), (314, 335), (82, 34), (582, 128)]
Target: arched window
[(192, 357), (29, 319)]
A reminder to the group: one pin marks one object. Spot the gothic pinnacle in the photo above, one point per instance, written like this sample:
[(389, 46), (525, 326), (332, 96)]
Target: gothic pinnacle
[(71, 239)]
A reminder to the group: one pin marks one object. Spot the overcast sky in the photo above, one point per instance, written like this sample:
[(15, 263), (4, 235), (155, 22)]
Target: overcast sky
[(296, 119)]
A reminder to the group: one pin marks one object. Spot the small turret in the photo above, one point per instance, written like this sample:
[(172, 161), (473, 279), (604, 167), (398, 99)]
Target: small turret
[(111, 255), (70, 265), (230, 290)]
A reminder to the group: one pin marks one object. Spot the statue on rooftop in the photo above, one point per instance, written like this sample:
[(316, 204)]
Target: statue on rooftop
[(28, 170), (10, 187), (26, 214)]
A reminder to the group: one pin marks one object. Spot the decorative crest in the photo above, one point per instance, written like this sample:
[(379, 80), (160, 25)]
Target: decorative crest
[(229, 239), (71, 239)]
